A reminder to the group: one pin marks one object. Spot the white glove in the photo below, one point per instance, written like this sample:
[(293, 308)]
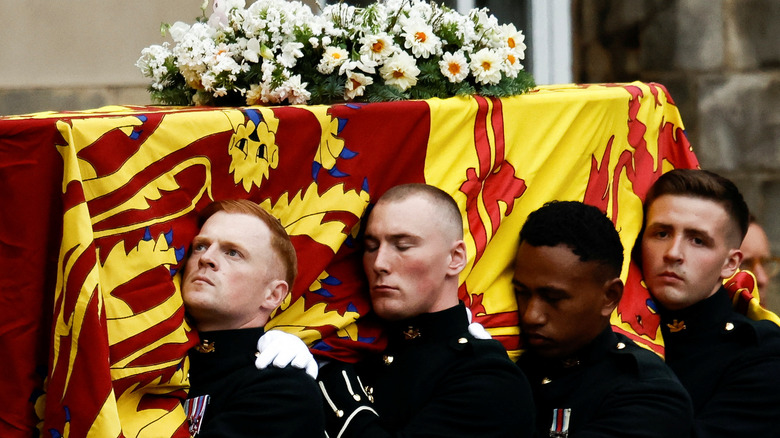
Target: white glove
[(282, 349), (476, 329)]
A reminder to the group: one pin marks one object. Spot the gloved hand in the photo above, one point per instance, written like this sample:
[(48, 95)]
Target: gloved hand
[(476, 329), (347, 402), (282, 349)]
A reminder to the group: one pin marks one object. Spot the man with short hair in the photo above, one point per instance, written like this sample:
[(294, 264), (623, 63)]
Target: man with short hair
[(694, 224), (434, 379), (587, 380), (240, 268)]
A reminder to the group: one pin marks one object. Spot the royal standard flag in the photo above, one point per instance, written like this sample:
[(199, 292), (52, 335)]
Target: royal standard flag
[(102, 205)]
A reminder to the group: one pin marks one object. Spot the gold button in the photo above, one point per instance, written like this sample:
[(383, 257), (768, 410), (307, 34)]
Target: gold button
[(388, 359), (339, 413), (729, 326), (621, 346), (546, 381), (462, 341)]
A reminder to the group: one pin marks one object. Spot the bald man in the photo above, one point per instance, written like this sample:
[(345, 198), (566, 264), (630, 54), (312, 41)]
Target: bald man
[(435, 378)]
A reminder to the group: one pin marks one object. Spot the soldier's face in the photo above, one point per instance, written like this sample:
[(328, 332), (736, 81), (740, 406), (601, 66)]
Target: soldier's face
[(407, 259), (687, 250), (230, 272), (563, 303)]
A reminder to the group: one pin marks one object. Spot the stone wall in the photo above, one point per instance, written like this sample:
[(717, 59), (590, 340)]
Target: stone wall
[(720, 60)]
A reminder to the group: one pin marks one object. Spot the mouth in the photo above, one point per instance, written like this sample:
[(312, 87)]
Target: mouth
[(669, 276), (535, 339), (201, 279), (383, 289)]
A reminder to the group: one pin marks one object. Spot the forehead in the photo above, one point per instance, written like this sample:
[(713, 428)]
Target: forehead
[(240, 228), (689, 212), (414, 215), (555, 267)]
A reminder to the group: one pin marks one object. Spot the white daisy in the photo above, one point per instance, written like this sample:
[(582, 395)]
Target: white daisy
[(515, 40), (421, 39), (400, 71), (356, 85), (454, 66), (332, 58), (486, 66), (378, 47), (511, 66)]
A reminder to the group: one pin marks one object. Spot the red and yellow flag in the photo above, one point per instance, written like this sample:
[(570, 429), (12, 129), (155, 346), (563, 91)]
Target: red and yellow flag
[(102, 206)]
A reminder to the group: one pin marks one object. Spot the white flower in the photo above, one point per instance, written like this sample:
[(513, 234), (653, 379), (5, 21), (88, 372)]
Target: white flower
[(511, 66), (290, 53), (356, 85), (421, 39), (400, 71), (454, 66), (358, 45), (515, 40), (486, 66), (332, 58), (294, 91), (178, 30), (378, 47), (364, 64), (252, 52)]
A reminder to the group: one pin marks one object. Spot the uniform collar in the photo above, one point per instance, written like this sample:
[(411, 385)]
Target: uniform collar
[(226, 342), (430, 326), (709, 312), (593, 352)]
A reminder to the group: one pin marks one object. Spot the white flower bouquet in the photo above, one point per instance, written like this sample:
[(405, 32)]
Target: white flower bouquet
[(278, 51)]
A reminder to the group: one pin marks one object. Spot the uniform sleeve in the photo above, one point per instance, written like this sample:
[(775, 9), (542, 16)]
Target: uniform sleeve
[(648, 408), (284, 403), (745, 403), (482, 398)]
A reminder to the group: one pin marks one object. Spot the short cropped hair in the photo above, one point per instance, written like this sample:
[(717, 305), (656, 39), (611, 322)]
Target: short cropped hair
[(280, 240), (450, 211), (705, 185), (585, 229)]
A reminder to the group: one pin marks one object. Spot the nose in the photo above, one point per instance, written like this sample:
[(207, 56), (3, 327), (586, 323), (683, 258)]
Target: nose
[(532, 312), (208, 258), (673, 251), (380, 260)]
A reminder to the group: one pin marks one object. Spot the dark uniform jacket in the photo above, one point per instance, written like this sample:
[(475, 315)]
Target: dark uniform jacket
[(729, 364), (247, 402), (613, 388), (436, 380)]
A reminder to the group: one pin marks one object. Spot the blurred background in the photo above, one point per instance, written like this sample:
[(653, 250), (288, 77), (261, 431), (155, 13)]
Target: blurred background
[(720, 60)]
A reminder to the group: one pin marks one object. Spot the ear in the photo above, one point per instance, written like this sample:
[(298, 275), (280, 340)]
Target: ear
[(613, 291), (275, 294), (731, 264), (458, 258)]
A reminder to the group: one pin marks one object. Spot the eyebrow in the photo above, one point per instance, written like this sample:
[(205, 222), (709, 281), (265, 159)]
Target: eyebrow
[(222, 243), (687, 231), (394, 237)]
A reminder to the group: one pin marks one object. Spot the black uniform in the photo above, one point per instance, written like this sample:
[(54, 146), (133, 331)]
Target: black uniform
[(613, 388), (436, 380), (245, 401), (729, 364)]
